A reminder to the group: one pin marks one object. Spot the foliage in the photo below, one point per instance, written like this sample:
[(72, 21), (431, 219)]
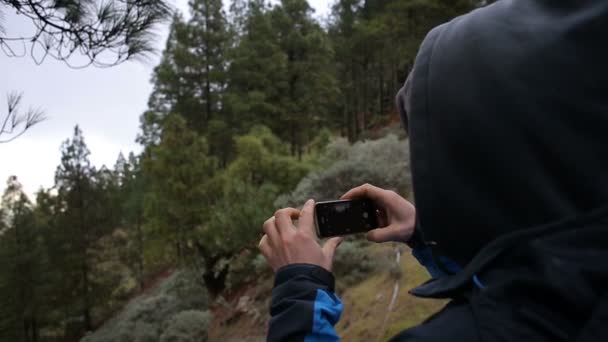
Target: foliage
[(187, 326), (353, 263), (309, 85), (376, 43), (83, 215), (131, 194), (263, 159), (180, 169), (383, 162), (261, 169), (22, 267), (14, 123), (104, 32), (146, 318)]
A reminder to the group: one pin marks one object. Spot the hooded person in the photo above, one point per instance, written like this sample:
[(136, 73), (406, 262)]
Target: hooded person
[(507, 113)]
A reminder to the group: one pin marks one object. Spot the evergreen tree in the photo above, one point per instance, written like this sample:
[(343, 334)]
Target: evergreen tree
[(376, 43), (77, 229), (343, 34), (208, 41), (173, 86), (309, 88), (22, 268), (256, 73), (180, 168), (132, 200)]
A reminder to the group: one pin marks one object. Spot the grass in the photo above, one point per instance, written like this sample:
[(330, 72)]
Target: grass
[(366, 304)]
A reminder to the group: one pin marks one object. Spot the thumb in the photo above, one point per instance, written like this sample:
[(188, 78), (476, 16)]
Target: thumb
[(330, 246), (306, 220)]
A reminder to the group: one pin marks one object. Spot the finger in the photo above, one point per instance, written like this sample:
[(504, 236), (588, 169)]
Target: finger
[(284, 220), (271, 231), (330, 246), (264, 247), (306, 220), (374, 193), (390, 233)]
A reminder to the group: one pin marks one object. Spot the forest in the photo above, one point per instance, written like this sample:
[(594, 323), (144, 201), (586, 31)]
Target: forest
[(255, 106)]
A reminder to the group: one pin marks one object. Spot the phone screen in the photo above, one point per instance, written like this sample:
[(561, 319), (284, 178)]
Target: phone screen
[(336, 218)]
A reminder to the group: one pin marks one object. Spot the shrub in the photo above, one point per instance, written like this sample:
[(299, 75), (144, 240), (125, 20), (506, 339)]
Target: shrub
[(353, 262), (261, 267), (186, 326), (143, 318), (383, 162)]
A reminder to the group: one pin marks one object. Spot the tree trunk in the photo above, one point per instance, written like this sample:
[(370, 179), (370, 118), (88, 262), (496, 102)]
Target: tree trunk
[(140, 252), (26, 329), (86, 312), (35, 330), (215, 283), (207, 69), (84, 267), (381, 94), (292, 138), (178, 250)]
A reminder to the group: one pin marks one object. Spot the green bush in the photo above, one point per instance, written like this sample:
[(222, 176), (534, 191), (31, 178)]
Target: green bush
[(261, 267), (383, 162), (144, 318), (353, 262), (187, 326)]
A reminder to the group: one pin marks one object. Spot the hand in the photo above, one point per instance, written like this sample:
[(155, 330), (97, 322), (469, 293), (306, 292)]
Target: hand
[(284, 244), (396, 216)]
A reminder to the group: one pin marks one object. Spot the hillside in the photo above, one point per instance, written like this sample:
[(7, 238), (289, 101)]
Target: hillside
[(243, 314)]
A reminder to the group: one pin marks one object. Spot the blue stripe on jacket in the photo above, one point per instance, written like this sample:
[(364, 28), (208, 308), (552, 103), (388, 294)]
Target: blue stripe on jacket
[(425, 258), (328, 309)]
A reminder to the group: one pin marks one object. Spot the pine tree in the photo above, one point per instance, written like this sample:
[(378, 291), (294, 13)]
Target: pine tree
[(209, 39), (76, 227), (133, 192), (180, 168), (191, 78), (173, 90), (309, 88), (256, 73), (343, 31), (22, 268)]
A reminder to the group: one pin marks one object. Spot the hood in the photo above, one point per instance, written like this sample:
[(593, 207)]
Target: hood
[(507, 111)]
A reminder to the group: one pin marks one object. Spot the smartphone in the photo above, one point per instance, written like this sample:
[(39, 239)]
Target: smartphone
[(336, 218)]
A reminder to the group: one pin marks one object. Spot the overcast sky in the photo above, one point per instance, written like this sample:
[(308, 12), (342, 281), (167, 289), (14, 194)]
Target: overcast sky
[(106, 103)]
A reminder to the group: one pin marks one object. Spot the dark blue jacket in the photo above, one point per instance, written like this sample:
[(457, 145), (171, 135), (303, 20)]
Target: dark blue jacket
[(507, 111)]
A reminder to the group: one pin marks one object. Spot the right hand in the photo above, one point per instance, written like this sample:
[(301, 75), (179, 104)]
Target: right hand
[(396, 216)]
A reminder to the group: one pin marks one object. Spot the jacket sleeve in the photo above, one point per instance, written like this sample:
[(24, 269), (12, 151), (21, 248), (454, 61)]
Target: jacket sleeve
[(304, 306)]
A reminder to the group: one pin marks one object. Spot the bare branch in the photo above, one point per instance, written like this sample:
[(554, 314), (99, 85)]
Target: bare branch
[(14, 123)]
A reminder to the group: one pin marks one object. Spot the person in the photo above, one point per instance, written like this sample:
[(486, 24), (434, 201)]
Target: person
[(507, 113)]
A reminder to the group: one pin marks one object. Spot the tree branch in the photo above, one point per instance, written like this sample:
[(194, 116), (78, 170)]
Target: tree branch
[(14, 121), (105, 32)]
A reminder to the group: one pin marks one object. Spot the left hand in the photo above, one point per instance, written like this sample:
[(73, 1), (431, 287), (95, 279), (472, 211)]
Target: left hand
[(285, 244)]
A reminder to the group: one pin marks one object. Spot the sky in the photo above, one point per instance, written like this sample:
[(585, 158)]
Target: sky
[(105, 103)]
